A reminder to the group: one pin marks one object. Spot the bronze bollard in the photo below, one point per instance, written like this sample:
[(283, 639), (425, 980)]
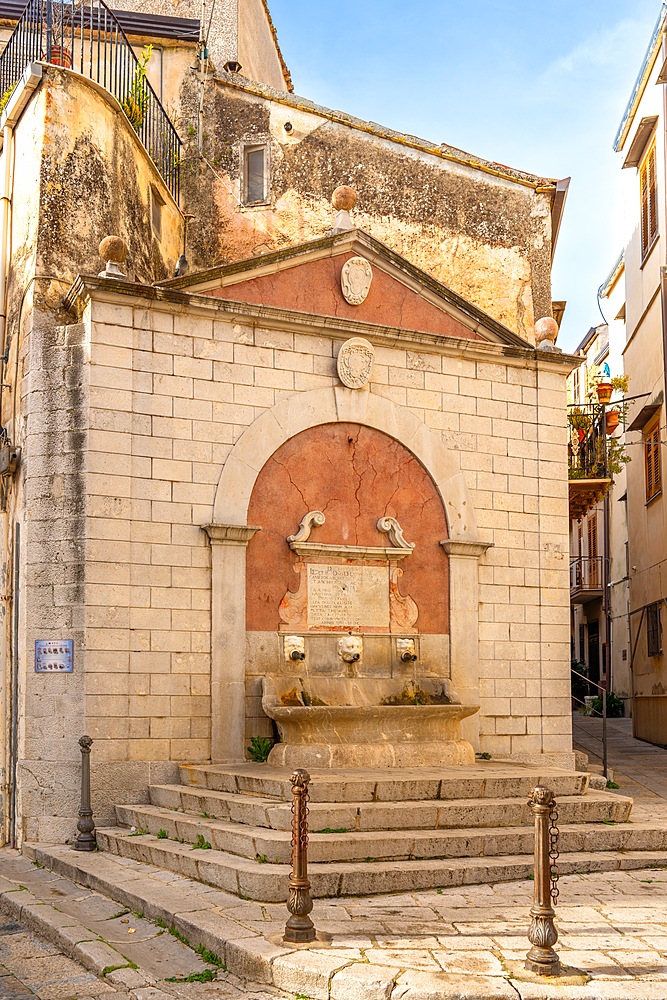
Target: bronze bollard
[(299, 928), (86, 825), (543, 935)]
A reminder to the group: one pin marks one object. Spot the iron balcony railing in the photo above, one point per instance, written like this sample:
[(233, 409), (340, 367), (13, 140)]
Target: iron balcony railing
[(586, 573), (587, 446), (86, 36)]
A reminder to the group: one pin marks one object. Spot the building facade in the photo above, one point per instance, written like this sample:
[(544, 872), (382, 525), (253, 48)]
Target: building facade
[(166, 438), (640, 311)]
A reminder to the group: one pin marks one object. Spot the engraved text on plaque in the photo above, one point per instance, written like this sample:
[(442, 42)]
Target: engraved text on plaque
[(348, 596)]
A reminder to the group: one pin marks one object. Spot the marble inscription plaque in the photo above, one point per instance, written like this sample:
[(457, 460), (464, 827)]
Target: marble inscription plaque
[(348, 596)]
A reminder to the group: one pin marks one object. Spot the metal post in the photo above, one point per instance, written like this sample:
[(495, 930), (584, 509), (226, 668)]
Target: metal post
[(86, 826), (543, 935), (299, 928)]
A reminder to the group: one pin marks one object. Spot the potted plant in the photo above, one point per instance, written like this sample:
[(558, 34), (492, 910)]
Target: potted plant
[(619, 410), (604, 391), (612, 418), (61, 56), (135, 105), (581, 422)]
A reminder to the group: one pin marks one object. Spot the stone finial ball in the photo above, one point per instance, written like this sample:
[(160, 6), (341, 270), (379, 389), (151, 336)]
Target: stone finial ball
[(546, 329), (113, 248), (344, 199)]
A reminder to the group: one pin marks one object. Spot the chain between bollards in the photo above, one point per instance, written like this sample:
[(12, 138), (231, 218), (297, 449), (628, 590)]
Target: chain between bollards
[(543, 935), (86, 825), (299, 928)]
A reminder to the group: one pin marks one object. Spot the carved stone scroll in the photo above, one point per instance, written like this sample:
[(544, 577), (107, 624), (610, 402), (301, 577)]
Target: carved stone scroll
[(313, 519), (391, 527)]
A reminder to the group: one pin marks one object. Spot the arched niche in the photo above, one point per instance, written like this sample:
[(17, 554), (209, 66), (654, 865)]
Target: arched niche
[(230, 533)]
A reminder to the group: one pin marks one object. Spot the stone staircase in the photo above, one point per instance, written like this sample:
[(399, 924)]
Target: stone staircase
[(375, 831)]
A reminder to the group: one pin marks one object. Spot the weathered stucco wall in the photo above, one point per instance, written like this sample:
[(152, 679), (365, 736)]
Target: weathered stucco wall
[(486, 237), (29, 137), (96, 180), (258, 53)]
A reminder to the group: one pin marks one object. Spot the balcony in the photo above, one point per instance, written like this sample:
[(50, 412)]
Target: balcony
[(586, 579), (588, 474), (87, 38)]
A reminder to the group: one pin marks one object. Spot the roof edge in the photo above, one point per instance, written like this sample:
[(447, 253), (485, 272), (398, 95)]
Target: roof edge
[(444, 151), (641, 81), (477, 315), (84, 285)]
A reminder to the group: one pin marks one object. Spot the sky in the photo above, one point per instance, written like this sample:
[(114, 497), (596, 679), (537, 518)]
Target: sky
[(541, 87)]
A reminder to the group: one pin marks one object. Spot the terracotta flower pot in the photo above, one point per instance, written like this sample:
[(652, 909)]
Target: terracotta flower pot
[(612, 419), (604, 391), (61, 56)]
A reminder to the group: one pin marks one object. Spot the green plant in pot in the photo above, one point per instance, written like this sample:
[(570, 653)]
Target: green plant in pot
[(135, 105)]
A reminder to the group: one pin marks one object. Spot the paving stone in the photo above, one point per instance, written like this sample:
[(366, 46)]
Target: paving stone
[(429, 986), (251, 958), (479, 963), (363, 982), (305, 972), (11, 987), (402, 958), (97, 956)]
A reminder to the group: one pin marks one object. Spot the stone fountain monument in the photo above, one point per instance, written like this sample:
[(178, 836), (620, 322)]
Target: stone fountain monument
[(347, 598)]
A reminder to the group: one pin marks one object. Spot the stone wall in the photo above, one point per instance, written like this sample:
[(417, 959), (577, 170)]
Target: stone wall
[(481, 229), (172, 387)]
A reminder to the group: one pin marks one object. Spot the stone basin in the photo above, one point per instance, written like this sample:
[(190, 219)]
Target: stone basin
[(342, 722)]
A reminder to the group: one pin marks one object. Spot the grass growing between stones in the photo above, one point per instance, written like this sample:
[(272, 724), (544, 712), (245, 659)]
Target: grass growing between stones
[(330, 829), (210, 957), (108, 969), (207, 976), (201, 844), (161, 835), (141, 831)]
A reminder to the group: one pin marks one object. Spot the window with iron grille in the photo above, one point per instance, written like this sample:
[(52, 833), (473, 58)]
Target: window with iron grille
[(653, 629)]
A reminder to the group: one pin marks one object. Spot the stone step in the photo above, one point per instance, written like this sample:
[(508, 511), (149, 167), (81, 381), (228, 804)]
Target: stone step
[(275, 845), (431, 814), (268, 882), (486, 779)]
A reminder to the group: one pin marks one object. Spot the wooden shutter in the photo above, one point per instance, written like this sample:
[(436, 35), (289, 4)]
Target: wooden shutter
[(652, 459), (653, 637), (649, 200)]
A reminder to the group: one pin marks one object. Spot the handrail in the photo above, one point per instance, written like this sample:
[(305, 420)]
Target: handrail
[(603, 714), (85, 35), (600, 687)]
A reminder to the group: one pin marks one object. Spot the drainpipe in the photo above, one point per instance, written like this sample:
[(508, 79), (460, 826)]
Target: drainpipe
[(5, 207)]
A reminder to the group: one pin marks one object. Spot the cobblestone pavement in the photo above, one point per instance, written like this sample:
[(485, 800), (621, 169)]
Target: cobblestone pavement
[(640, 768), (33, 967), (453, 944)]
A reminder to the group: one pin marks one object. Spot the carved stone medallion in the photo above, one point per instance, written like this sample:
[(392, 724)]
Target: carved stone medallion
[(355, 280), (355, 362)]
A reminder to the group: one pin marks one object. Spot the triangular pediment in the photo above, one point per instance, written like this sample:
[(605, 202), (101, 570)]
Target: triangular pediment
[(310, 278)]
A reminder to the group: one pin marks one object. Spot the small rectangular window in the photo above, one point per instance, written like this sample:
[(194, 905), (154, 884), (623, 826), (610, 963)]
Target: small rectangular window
[(653, 629), (157, 201), (649, 200), (255, 171), (652, 458)]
